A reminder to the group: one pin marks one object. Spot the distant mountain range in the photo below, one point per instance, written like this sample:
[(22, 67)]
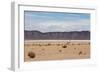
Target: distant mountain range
[(73, 35)]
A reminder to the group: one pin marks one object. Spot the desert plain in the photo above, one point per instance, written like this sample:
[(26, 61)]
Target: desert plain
[(43, 50)]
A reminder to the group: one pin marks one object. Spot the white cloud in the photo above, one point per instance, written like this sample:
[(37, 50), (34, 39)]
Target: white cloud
[(53, 26)]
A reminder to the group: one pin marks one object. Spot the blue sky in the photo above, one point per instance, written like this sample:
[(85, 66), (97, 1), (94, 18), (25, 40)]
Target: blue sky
[(56, 21)]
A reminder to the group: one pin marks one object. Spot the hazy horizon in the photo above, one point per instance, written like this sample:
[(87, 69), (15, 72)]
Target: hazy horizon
[(57, 31), (56, 21)]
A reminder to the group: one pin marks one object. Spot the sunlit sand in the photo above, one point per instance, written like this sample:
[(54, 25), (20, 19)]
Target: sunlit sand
[(39, 50)]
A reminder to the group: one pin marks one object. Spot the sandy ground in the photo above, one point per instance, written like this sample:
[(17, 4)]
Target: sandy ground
[(39, 50)]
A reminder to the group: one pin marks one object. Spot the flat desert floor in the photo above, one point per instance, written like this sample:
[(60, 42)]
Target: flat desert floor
[(38, 50)]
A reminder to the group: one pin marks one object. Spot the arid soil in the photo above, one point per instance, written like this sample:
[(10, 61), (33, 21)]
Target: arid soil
[(39, 50)]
